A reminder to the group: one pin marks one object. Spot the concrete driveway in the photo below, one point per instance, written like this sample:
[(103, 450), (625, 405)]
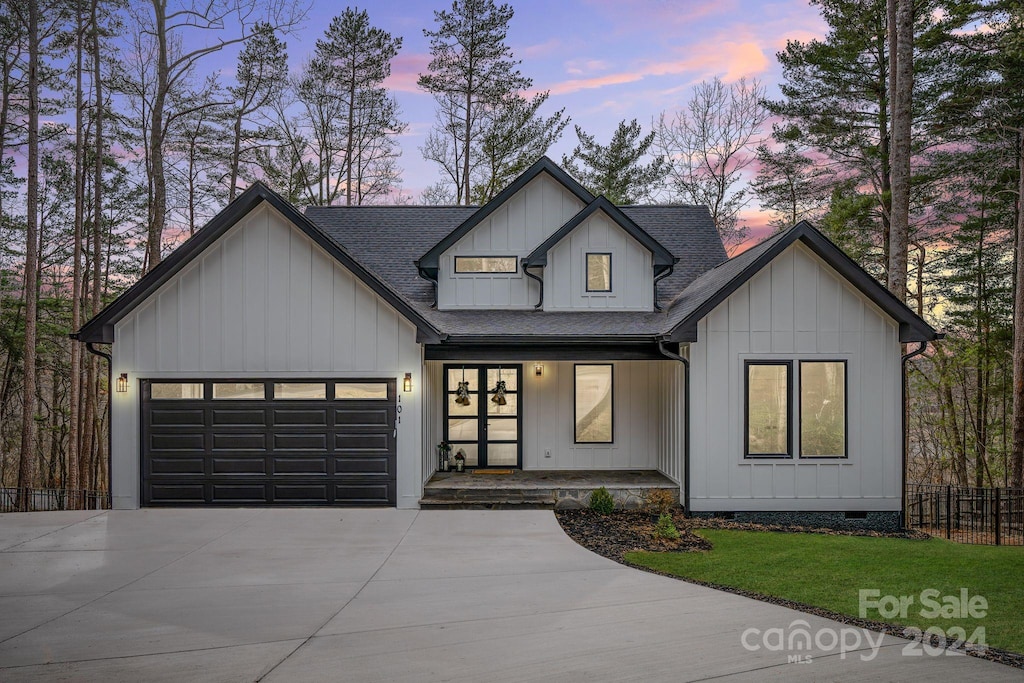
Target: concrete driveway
[(381, 595)]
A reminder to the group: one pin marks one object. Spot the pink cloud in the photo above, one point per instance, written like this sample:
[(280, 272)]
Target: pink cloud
[(405, 71), (544, 49), (728, 59)]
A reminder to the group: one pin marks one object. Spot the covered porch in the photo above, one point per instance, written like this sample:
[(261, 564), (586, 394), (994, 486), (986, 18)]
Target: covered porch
[(568, 421), (557, 489)]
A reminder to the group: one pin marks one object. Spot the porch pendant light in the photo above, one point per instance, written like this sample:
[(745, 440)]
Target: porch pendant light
[(499, 391), (462, 393)]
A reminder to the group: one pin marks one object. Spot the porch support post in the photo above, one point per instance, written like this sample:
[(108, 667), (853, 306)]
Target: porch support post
[(686, 422)]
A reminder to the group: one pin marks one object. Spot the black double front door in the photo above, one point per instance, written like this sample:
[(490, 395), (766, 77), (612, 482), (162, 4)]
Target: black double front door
[(484, 420)]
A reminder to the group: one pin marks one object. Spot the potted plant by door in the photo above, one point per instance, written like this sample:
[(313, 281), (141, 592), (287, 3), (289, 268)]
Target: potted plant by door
[(460, 460)]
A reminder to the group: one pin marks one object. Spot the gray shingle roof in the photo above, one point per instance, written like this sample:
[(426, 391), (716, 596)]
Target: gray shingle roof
[(387, 240)]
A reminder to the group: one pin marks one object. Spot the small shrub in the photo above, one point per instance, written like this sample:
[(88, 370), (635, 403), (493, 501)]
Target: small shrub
[(602, 502), (659, 501), (666, 529)]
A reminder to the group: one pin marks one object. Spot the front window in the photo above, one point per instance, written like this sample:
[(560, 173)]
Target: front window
[(247, 391), (176, 390), (599, 272), (767, 405), (594, 403), (485, 264), (823, 409)]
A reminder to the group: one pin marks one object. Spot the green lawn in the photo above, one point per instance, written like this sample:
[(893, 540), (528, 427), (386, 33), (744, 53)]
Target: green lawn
[(828, 571)]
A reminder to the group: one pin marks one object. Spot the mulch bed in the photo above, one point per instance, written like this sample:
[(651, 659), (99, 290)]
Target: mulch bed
[(624, 531)]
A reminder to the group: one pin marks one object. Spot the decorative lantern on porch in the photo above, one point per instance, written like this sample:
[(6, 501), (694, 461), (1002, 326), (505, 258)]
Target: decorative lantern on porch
[(444, 450), (460, 460)]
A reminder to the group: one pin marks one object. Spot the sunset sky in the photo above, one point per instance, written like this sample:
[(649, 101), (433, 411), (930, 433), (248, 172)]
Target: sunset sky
[(603, 60)]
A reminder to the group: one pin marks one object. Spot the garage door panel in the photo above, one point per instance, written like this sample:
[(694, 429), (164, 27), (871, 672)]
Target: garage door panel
[(365, 493), (304, 466), (301, 493), (190, 494), (278, 451), (362, 442), (375, 417), (238, 465), (172, 441), (284, 441), (239, 442), (238, 493), (300, 417), (170, 417), (223, 417), (177, 466), (363, 464)]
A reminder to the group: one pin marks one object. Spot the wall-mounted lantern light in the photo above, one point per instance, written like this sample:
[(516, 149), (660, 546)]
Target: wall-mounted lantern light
[(407, 382), (122, 383), (538, 370)]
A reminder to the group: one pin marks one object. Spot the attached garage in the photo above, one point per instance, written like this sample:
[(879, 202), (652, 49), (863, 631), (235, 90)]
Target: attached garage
[(268, 442), (260, 365)]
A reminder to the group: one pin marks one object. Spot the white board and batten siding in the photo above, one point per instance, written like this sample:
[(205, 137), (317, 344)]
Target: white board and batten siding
[(565, 277), (264, 301), (515, 228), (796, 308)]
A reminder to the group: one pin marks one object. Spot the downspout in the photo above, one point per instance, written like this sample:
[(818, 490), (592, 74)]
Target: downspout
[(425, 274), (686, 423), (110, 414), (540, 281), (903, 425), (660, 276)]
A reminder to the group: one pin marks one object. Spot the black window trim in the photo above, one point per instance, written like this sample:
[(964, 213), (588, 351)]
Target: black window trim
[(586, 271), (515, 266), (575, 437), (747, 455), (846, 408)]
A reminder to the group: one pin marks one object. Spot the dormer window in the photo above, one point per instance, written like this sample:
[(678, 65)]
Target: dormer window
[(485, 264), (599, 272)]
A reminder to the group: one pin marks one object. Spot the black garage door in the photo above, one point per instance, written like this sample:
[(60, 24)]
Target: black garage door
[(268, 442)]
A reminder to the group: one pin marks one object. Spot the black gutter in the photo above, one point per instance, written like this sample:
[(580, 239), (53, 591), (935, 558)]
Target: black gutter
[(540, 281), (660, 276), (686, 424), (110, 414), (903, 424)]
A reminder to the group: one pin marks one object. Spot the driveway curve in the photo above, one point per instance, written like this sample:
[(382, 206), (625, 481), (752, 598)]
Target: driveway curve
[(387, 595)]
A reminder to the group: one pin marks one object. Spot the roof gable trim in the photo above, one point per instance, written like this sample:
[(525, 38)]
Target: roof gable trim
[(912, 327), (100, 329)]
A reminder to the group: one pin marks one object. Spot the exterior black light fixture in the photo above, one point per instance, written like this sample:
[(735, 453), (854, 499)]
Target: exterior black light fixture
[(122, 383), (538, 369), (407, 382)]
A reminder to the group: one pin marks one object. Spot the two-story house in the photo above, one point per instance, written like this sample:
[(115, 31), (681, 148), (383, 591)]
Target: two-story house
[(285, 358)]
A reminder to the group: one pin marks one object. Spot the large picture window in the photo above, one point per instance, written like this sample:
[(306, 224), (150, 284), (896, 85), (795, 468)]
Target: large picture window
[(594, 403), (823, 409), (485, 264), (768, 431)]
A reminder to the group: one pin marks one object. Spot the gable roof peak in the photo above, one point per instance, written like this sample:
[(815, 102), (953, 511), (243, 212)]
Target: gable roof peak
[(713, 287), (429, 261), (662, 257)]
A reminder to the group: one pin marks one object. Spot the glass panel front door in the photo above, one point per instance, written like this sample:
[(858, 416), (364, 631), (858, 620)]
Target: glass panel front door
[(482, 413)]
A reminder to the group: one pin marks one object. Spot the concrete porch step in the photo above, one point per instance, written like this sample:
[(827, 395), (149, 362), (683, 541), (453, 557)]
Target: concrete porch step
[(541, 489), (487, 503)]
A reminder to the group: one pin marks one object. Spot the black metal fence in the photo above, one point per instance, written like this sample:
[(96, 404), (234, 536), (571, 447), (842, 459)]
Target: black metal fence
[(967, 514), (35, 500)]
